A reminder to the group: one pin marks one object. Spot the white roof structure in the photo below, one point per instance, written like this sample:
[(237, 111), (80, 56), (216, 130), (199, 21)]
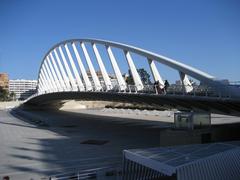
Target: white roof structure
[(187, 162)]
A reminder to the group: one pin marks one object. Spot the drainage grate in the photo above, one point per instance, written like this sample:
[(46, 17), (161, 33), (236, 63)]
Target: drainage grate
[(72, 131), (69, 126), (95, 142)]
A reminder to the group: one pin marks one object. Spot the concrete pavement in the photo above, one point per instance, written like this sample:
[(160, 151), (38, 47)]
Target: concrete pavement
[(49, 142), (30, 149)]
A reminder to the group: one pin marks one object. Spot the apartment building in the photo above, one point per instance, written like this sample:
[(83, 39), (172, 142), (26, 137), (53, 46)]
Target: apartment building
[(22, 88)]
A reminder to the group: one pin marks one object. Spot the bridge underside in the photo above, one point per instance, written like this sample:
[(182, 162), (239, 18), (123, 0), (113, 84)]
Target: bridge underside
[(180, 102)]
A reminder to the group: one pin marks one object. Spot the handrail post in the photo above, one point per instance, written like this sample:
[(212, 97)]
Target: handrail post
[(155, 86)]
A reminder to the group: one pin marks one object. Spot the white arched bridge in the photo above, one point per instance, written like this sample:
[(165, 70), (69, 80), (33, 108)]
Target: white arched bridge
[(67, 72)]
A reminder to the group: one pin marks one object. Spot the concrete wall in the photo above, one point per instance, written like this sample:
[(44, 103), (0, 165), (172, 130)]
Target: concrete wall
[(9, 104), (217, 133), (71, 105), (170, 137)]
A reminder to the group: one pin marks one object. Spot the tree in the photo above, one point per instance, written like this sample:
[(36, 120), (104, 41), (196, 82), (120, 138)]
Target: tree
[(145, 77), (129, 79), (3, 94), (12, 96)]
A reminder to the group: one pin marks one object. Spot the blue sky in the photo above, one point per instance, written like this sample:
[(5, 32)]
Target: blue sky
[(201, 33)]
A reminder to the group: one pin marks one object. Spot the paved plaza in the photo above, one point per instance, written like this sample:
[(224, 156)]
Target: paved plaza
[(50, 142), (35, 150)]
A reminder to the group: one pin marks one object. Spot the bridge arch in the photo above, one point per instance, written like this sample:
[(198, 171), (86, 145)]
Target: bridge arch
[(55, 73), (63, 76)]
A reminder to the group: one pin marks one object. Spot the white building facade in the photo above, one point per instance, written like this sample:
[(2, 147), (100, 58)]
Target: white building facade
[(22, 88)]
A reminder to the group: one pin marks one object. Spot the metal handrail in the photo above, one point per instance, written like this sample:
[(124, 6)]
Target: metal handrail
[(90, 173), (197, 91)]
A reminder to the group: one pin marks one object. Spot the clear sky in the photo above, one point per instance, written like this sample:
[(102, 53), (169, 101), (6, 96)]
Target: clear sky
[(202, 33)]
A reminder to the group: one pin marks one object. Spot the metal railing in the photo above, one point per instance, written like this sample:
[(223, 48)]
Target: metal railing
[(102, 173), (237, 83), (197, 90), (200, 90)]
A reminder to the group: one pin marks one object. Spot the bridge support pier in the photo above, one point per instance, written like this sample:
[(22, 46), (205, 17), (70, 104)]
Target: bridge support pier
[(75, 71), (96, 81), (106, 78), (136, 78), (155, 73), (187, 85), (121, 81)]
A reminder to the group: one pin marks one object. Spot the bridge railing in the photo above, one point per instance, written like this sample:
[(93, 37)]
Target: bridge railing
[(197, 90), (171, 90)]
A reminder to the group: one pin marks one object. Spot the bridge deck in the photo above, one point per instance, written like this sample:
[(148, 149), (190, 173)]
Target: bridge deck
[(227, 106)]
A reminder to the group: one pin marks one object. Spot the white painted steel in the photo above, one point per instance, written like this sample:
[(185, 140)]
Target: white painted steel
[(69, 73), (187, 85), (51, 77), (155, 73), (76, 74), (65, 79), (87, 82), (118, 74), (106, 78), (59, 76), (64, 75), (40, 85), (47, 85), (195, 73), (53, 84), (200, 75), (96, 81), (60, 88), (136, 78), (48, 80), (44, 87)]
